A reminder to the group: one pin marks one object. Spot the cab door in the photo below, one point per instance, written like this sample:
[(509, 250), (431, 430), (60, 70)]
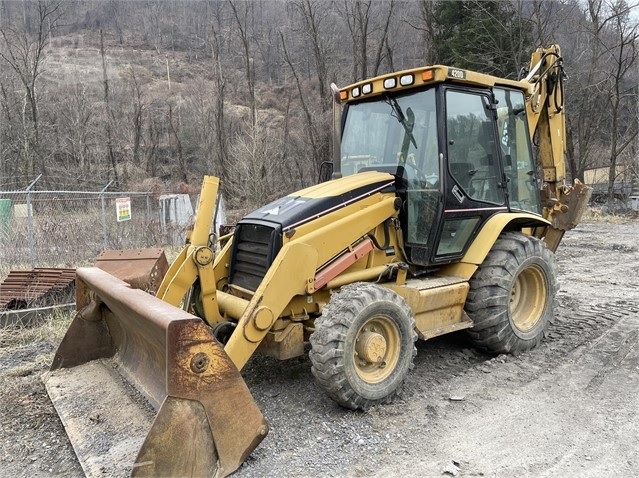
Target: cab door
[(516, 149), (475, 185)]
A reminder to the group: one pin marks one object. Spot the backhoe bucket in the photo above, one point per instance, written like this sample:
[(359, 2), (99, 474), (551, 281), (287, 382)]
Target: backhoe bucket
[(128, 354)]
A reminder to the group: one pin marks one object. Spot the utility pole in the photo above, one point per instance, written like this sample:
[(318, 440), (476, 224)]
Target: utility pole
[(168, 73), (634, 178)]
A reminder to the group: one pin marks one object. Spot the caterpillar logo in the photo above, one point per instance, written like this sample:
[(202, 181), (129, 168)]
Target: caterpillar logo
[(457, 74)]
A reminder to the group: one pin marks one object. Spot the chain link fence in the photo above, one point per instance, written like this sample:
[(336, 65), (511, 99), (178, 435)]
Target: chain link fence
[(70, 228)]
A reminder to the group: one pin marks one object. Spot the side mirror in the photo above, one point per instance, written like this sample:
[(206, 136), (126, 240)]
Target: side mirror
[(325, 172)]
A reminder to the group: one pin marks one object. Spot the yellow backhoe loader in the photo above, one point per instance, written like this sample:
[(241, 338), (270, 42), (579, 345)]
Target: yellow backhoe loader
[(446, 202)]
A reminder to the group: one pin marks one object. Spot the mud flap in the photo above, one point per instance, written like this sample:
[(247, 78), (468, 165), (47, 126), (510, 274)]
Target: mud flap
[(127, 354)]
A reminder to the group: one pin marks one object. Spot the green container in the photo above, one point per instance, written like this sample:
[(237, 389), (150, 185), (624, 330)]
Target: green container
[(5, 215)]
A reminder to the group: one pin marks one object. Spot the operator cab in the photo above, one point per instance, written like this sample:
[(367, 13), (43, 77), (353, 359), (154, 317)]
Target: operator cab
[(460, 154)]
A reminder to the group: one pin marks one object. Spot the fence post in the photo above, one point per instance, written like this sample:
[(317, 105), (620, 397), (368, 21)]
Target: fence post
[(30, 223), (104, 224)]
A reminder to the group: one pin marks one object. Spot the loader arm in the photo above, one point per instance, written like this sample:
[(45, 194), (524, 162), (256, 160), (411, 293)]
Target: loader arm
[(563, 204), (195, 260), (294, 273)]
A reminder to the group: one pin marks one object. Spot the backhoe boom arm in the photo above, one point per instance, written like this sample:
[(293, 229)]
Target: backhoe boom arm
[(563, 204)]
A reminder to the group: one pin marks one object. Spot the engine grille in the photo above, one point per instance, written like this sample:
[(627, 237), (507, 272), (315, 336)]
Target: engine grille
[(255, 248)]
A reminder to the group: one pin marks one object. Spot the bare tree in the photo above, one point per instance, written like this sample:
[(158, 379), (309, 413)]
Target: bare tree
[(78, 118), (317, 152), (623, 55), (266, 20), (357, 14), (547, 19), (313, 13), (600, 61), (383, 47), (369, 24), (242, 12), (215, 40), (23, 50), (252, 167), (108, 112), (174, 128), (139, 105), (152, 142), (586, 111), (10, 130)]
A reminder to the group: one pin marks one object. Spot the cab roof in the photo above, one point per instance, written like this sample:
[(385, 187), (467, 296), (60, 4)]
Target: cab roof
[(413, 78)]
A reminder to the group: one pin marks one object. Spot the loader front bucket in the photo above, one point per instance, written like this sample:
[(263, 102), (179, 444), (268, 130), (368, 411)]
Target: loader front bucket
[(128, 355)]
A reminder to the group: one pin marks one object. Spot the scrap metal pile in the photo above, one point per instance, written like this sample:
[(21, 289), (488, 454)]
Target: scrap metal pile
[(37, 288)]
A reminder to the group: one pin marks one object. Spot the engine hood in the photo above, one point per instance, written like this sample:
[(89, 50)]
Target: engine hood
[(316, 201)]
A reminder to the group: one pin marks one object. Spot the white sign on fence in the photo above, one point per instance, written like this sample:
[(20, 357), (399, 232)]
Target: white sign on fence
[(23, 210), (123, 208)]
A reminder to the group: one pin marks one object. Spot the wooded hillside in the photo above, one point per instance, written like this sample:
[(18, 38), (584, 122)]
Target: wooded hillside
[(154, 92)]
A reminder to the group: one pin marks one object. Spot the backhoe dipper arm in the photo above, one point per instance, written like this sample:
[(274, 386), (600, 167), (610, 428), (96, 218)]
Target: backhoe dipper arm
[(563, 205)]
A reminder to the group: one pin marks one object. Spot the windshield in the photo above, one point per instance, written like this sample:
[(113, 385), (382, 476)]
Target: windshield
[(390, 132)]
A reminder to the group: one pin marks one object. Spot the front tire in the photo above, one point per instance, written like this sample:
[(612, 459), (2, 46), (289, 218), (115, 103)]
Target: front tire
[(512, 294), (363, 345)]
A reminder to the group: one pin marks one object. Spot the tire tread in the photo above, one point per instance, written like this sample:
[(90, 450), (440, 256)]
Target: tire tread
[(328, 340), (489, 296)]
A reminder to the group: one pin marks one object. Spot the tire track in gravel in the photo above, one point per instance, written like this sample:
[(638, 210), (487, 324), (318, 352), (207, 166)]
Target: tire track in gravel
[(544, 413), (451, 382)]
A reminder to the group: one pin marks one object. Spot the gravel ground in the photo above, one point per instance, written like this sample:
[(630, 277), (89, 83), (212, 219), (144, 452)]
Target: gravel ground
[(567, 408)]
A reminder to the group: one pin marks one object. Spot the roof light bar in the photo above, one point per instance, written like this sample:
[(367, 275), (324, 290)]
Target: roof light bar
[(406, 80)]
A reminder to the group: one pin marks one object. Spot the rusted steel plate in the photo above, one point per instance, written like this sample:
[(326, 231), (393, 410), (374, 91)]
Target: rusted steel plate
[(30, 317), (104, 417), (40, 286), (142, 268)]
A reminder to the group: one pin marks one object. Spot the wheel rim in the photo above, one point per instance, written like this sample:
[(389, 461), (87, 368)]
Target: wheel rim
[(528, 298), (377, 349)]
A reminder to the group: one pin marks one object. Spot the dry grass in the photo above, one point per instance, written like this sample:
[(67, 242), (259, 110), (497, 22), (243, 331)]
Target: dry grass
[(50, 330), (27, 351), (598, 215)]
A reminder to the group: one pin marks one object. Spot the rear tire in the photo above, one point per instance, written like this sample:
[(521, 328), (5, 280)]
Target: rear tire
[(363, 345), (512, 294)]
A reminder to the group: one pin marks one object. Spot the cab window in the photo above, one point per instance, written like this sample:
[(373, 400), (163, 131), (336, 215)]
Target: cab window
[(514, 140), (473, 157)]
